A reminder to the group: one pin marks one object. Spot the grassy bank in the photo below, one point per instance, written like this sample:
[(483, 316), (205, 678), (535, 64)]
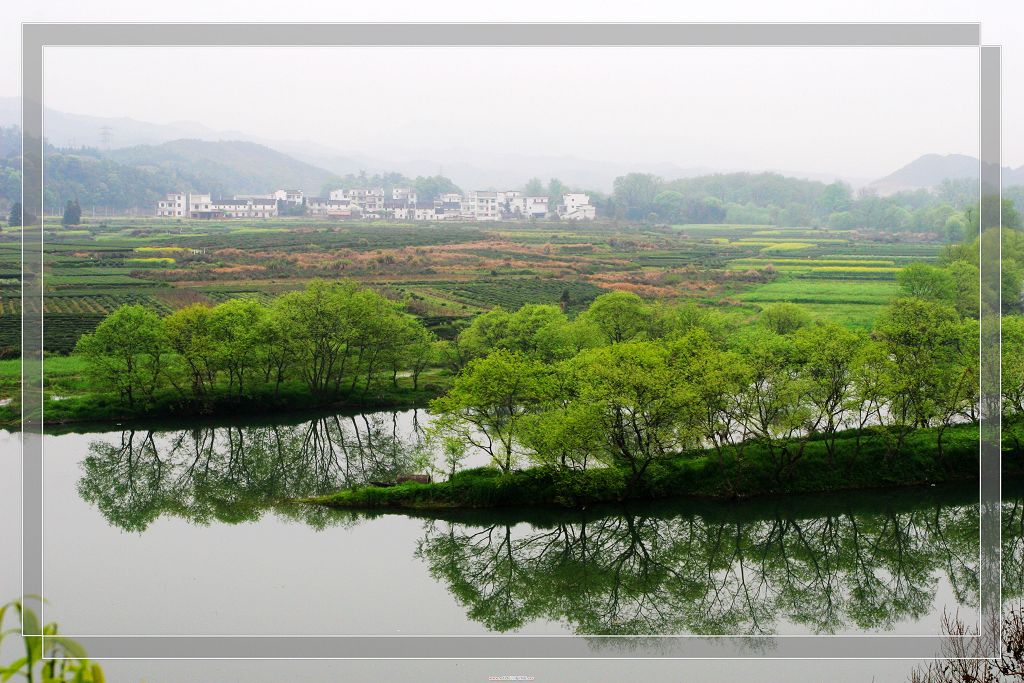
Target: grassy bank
[(68, 399), (869, 465)]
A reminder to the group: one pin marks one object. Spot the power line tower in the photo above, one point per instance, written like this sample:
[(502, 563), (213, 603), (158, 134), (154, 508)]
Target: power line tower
[(105, 135)]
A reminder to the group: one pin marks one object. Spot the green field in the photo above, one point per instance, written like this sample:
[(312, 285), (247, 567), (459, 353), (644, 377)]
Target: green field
[(449, 272), (851, 302)]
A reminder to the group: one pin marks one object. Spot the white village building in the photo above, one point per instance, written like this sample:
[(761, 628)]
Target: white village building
[(576, 206), (404, 204)]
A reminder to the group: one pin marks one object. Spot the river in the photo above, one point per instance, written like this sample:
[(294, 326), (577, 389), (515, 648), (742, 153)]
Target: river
[(202, 514)]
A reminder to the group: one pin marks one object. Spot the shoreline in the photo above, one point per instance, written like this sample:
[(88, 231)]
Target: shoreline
[(253, 409), (698, 475), (757, 506)]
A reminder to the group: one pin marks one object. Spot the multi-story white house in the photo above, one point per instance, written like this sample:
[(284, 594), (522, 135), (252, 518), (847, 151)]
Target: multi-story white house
[(243, 208), (478, 205), (369, 199), (404, 194), (482, 205), (535, 207), (290, 196), (518, 206), (576, 206), (448, 206), (332, 208), (425, 211), (185, 205), (174, 205)]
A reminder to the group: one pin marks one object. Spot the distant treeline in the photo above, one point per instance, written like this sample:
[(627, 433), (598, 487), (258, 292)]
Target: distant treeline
[(773, 199), (136, 177)]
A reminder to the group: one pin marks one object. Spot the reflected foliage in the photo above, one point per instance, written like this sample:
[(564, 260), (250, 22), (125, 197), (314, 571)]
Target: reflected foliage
[(233, 474), (713, 569), (829, 564)]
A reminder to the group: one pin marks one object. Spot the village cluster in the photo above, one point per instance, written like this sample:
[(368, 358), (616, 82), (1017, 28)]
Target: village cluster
[(403, 204)]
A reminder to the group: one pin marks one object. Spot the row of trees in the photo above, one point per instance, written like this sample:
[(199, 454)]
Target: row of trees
[(629, 383), (334, 338), (427, 187), (770, 198)]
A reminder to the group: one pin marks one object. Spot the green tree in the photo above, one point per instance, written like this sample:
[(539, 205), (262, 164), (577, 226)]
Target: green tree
[(955, 229), (669, 205), (488, 400), (785, 318), (836, 197), (926, 282), (14, 218), (127, 353), (534, 188), (533, 329), (276, 349), (826, 354), (556, 188), (716, 377), (414, 350), (922, 339), (966, 287), (635, 194), (1013, 364), (429, 188), (190, 336), (620, 316), (72, 213), (645, 411), (236, 325), (770, 409), (317, 317)]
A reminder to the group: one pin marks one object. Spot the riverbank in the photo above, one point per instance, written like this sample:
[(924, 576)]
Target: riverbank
[(67, 400), (858, 463)]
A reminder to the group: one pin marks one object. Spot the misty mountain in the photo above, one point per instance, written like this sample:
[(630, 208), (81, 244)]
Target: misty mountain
[(134, 178), (931, 169), (225, 167), (469, 168)]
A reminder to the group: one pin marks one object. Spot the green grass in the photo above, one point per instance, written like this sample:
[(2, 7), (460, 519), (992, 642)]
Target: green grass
[(822, 291), (849, 302)]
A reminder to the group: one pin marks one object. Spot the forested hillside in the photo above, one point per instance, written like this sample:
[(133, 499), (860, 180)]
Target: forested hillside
[(135, 177)]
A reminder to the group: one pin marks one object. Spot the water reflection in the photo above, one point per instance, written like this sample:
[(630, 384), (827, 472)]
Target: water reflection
[(232, 474), (867, 562), (737, 570)]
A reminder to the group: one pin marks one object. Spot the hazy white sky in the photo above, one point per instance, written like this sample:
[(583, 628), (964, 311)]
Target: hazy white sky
[(859, 112), (856, 111)]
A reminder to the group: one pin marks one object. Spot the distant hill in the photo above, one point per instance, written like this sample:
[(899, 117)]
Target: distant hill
[(135, 177), (226, 167), (466, 166), (931, 169)]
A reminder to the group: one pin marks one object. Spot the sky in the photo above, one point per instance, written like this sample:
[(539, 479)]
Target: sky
[(858, 112), (854, 111)]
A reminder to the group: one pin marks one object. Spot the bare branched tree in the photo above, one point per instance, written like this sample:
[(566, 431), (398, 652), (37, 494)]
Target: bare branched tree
[(965, 658)]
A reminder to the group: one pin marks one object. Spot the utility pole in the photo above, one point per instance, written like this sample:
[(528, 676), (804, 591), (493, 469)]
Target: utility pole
[(105, 133)]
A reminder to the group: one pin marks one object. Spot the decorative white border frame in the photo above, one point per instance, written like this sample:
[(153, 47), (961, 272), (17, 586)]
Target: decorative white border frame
[(37, 36)]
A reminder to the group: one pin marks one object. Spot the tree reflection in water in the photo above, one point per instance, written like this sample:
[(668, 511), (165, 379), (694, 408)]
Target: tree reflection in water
[(233, 474), (713, 569), (852, 562)]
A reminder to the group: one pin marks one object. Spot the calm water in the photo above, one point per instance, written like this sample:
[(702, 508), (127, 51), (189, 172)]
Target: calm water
[(201, 513)]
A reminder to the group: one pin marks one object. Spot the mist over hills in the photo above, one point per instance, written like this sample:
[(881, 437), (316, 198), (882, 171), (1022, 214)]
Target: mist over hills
[(930, 170), (466, 167), (140, 161), (226, 167)]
